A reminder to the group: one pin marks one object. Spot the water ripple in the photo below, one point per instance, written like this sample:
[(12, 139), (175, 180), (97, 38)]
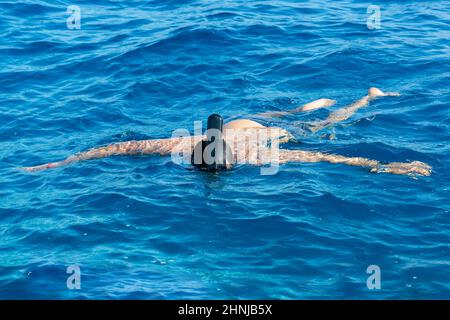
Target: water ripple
[(143, 227)]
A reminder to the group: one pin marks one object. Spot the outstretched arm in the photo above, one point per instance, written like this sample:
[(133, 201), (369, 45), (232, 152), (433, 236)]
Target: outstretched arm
[(143, 147), (348, 111), (415, 167), (317, 104)]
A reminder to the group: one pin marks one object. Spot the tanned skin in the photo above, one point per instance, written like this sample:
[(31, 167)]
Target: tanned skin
[(259, 154)]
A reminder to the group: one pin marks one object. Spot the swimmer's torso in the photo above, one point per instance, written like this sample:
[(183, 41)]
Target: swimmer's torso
[(252, 145)]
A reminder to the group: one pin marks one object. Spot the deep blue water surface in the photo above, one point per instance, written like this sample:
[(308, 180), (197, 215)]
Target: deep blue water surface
[(143, 227)]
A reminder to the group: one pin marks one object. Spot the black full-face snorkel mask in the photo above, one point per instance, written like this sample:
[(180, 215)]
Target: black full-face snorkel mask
[(213, 154)]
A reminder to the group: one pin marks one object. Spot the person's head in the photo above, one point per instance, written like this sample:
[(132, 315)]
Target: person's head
[(213, 154)]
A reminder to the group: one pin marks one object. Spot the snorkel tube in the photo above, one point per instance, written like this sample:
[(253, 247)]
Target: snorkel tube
[(213, 154)]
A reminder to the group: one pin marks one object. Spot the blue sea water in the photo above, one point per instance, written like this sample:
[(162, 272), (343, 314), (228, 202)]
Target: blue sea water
[(146, 228)]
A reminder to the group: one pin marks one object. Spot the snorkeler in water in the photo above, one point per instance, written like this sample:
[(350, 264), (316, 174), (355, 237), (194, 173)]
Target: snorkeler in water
[(229, 153)]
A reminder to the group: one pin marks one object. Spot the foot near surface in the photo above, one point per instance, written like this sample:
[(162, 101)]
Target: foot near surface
[(409, 168), (375, 92), (320, 103)]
